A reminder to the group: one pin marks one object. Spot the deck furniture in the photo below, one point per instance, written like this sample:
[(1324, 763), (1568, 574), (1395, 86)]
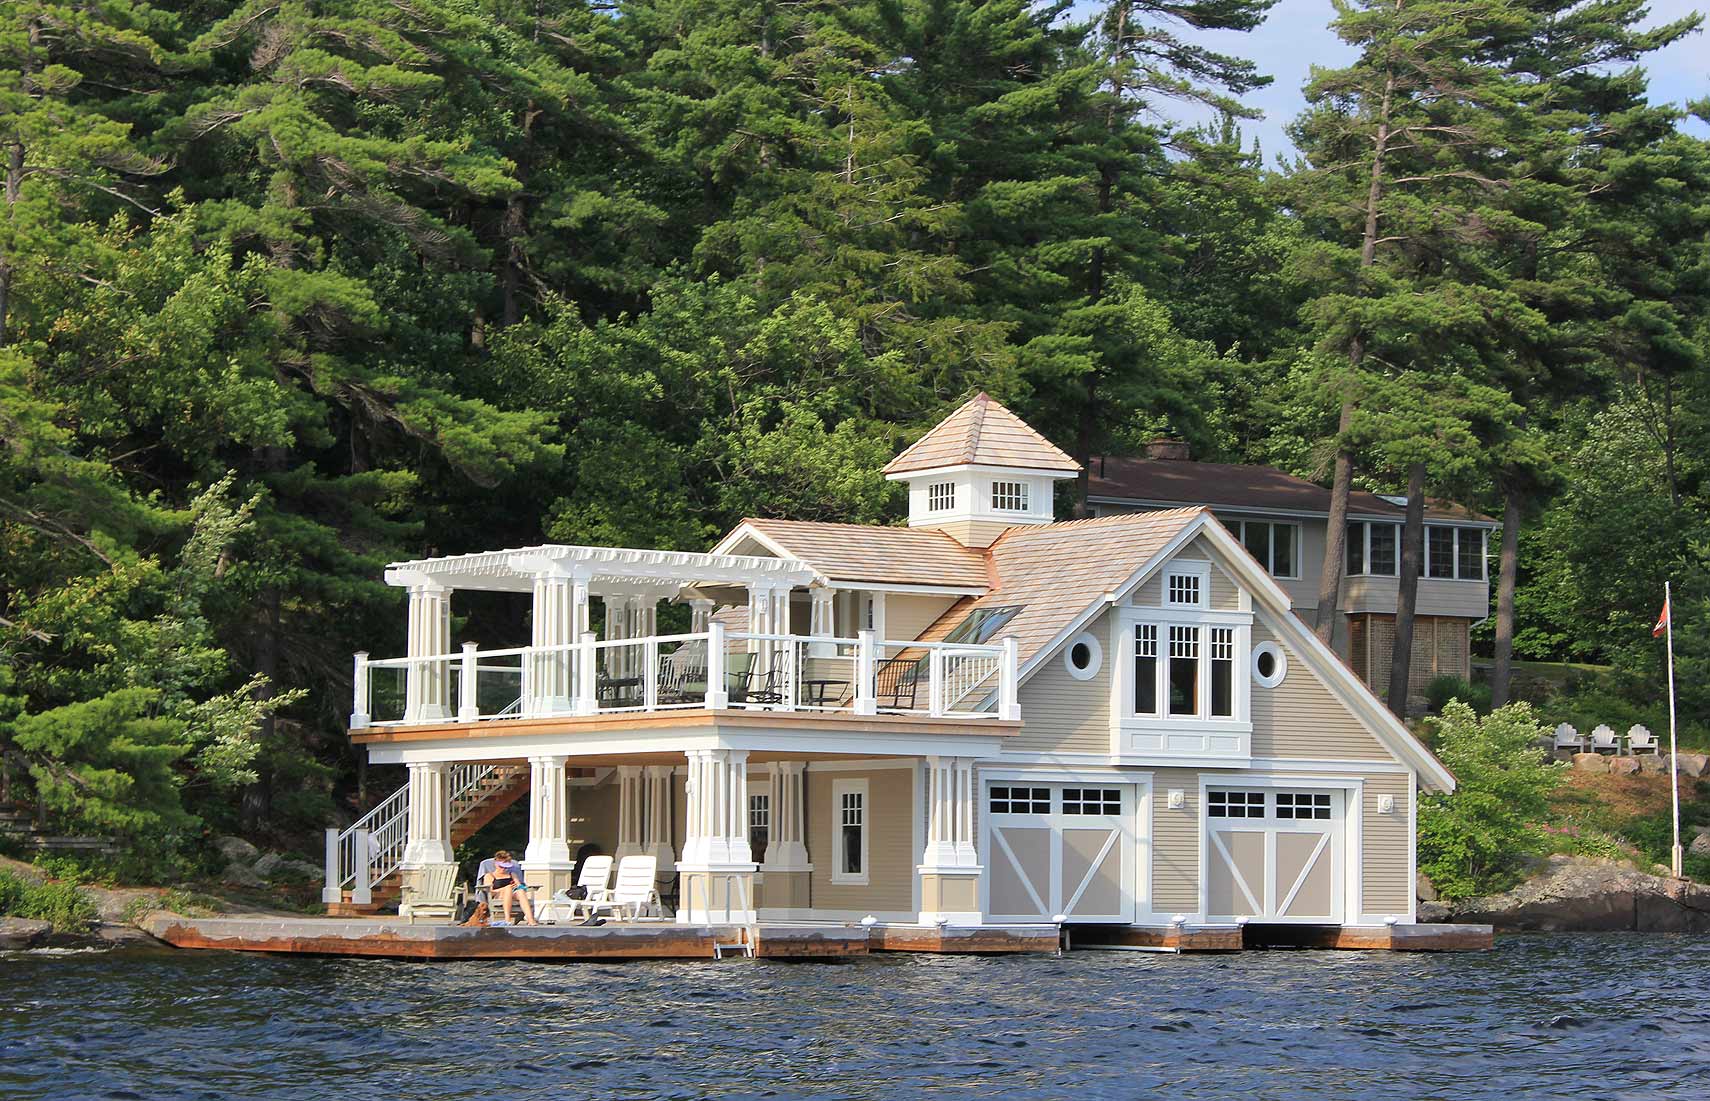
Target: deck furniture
[(824, 691), (749, 684), (433, 894), (1569, 739), (1603, 740), (683, 674), (896, 683), (594, 877), (635, 890), (1640, 740)]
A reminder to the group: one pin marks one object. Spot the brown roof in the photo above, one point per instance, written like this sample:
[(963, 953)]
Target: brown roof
[(1234, 485), (862, 552), (982, 431), (1056, 571)]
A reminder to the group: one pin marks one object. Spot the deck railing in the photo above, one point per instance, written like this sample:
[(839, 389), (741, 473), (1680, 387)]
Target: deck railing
[(714, 669)]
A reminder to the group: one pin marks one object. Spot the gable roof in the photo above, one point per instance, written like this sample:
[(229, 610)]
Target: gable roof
[(982, 432), (866, 552), (1238, 485)]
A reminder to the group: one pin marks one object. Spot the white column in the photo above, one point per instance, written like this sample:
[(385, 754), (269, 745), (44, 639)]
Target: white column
[(878, 600), (560, 618), (617, 629), (656, 818), (631, 800), (866, 673), (950, 815), (700, 614), (427, 684), (548, 816), (820, 622), (359, 716), (469, 685), (717, 813), (427, 829), (786, 851)]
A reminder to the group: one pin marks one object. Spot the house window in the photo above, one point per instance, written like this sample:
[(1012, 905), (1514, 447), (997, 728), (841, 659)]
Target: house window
[(759, 824), (1184, 670), (1439, 551), (1085, 801), (1185, 590), (1269, 664), (1009, 496), (849, 826), (1303, 805), (1146, 669), (1469, 556), (1273, 544), (982, 624), (941, 496), (1372, 549), (1019, 800), (1234, 804), (1084, 656), (1222, 672)]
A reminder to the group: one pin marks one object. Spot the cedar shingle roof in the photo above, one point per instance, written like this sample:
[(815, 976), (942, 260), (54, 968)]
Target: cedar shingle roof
[(862, 552), (982, 431), (1057, 571)]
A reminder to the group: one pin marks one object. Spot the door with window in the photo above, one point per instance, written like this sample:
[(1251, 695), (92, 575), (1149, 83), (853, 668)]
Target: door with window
[(1274, 854), (1065, 849)]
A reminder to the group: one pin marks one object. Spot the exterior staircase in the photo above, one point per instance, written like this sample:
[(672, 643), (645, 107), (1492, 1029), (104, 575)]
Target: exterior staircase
[(479, 795)]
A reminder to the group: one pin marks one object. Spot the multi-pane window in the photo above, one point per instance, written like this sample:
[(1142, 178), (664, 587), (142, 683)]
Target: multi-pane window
[(1234, 804), (1272, 543), (1439, 551), (1184, 590), (1184, 670), (1092, 801), (1373, 549), (759, 823), (852, 833), (1021, 800), (1146, 669), (1301, 805), (941, 496), (1469, 554), (1009, 496), (1222, 672)]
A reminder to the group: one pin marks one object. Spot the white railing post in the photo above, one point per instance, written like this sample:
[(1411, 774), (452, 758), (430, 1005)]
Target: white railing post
[(935, 680), (650, 674), (587, 694), (363, 893), (1009, 681), (866, 670), (525, 684), (468, 703), (718, 698), (331, 891), (792, 672), (359, 715)]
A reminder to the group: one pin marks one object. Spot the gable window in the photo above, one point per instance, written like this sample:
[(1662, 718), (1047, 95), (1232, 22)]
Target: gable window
[(1373, 548), (1184, 670), (1146, 669), (759, 824), (849, 827), (941, 496), (1185, 590), (1272, 543), (1010, 496), (1222, 672)]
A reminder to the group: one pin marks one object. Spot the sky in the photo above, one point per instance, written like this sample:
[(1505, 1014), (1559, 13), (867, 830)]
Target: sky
[(1297, 35)]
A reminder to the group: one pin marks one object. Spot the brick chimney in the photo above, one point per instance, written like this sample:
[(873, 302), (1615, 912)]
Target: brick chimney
[(1171, 450)]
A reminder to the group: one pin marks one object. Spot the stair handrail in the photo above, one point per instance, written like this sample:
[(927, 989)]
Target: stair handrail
[(386, 824)]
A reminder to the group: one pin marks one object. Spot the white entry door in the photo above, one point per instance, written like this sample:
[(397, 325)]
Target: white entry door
[(1060, 849), (1274, 854)]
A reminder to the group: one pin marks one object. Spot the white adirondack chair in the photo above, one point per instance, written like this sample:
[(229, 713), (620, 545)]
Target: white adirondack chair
[(1640, 740), (434, 894), (1603, 740), (594, 877), (635, 890), (1568, 738)]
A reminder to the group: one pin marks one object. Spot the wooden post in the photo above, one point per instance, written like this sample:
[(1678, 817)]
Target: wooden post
[(333, 889)]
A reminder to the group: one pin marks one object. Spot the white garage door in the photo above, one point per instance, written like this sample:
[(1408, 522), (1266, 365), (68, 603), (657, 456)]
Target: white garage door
[(1274, 854), (1061, 849)]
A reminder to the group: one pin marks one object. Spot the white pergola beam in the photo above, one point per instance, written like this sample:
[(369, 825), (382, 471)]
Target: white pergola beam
[(632, 570)]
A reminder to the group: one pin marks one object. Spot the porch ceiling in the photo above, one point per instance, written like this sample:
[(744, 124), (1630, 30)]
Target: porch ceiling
[(606, 569)]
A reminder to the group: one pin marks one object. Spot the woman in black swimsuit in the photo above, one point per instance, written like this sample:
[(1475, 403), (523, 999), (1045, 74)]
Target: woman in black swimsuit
[(505, 882)]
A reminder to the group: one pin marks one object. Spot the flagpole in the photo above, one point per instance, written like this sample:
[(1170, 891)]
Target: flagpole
[(1673, 752)]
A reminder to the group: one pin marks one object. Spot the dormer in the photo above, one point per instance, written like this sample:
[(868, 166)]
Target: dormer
[(981, 470)]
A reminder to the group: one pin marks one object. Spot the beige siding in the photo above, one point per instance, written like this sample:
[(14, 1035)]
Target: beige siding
[(1301, 717), (1466, 599), (908, 615), (1175, 842), (1384, 845), (890, 842), (1224, 594), (971, 533), (1060, 714)]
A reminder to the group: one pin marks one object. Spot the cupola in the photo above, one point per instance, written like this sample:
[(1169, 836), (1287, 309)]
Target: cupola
[(981, 470)]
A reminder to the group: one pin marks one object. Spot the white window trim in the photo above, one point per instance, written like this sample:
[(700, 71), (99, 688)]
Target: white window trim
[(839, 877), (1018, 489), (1091, 642), (1164, 618), (1238, 528), (1279, 672), (931, 493), (1196, 569)]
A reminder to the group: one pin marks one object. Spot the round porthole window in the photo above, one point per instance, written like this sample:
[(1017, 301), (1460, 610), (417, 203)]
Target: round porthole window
[(1084, 656), (1269, 664)]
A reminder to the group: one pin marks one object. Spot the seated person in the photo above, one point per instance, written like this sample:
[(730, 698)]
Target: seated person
[(504, 881)]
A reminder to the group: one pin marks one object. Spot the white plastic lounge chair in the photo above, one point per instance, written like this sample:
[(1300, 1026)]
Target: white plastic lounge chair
[(594, 877), (635, 890), (1569, 738), (434, 894), (1603, 740), (1640, 740)]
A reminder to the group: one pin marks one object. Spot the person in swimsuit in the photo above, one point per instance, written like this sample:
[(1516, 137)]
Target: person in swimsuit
[(504, 883)]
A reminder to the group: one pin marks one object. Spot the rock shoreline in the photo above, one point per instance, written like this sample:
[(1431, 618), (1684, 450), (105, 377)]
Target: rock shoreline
[(1578, 894)]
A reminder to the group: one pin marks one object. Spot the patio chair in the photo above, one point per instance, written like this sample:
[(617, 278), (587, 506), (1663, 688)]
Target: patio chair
[(683, 674), (1569, 739), (896, 683), (1603, 740), (751, 685), (1640, 740), (635, 890), (594, 878), (433, 894)]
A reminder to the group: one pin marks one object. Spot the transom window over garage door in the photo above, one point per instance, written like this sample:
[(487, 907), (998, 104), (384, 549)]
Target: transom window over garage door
[(1021, 800), (1086, 801)]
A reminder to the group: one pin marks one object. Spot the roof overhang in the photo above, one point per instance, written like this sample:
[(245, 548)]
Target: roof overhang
[(983, 468), (1288, 513), (611, 569)]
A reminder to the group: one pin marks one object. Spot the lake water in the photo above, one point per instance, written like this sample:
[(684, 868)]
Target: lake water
[(1595, 1016)]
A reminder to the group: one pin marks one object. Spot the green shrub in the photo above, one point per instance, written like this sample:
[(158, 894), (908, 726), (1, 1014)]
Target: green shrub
[(63, 905), (1474, 840), (1448, 687)]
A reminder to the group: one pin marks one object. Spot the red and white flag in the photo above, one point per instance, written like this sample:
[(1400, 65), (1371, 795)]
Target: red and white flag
[(1662, 620)]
